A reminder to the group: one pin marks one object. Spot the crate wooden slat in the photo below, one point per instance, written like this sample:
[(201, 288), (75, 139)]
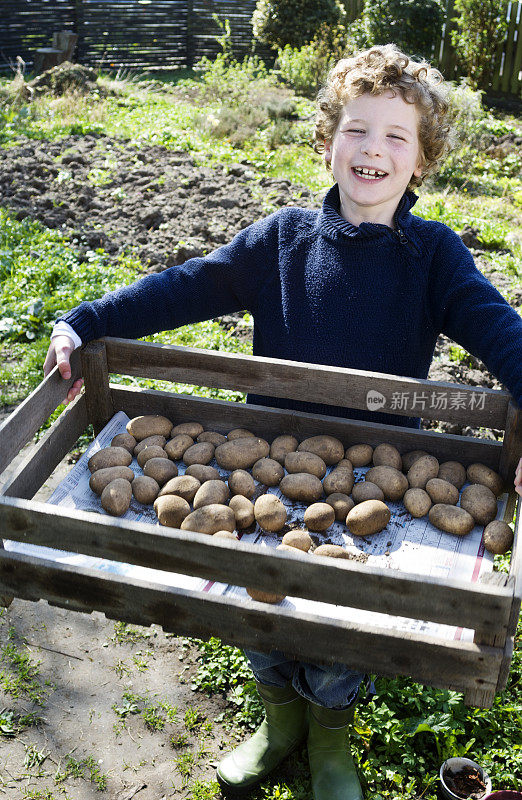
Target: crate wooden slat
[(347, 583), (47, 454), (466, 665), (221, 415), (491, 608), (30, 415), (311, 382)]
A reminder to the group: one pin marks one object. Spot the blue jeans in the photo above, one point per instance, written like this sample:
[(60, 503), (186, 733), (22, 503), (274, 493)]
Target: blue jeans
[(332, 686)]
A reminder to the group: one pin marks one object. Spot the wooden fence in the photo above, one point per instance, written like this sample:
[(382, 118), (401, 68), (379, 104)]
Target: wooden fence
[(168, 34)]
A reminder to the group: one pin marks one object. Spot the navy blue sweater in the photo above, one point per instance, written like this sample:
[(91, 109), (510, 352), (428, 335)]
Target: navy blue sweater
[(324, 291)]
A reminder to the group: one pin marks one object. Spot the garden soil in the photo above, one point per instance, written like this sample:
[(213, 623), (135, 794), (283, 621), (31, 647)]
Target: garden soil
[(102, 688)]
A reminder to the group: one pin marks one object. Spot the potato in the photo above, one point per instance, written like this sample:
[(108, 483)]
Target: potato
[(319, 516), (305, 462), (331, 551), (213, 437), (239, 433), (453, 472), (171, 510), (442, 491), (225, 535), (328, 448), (203, 473), (209, 519), (201, 453), (345, 462), (177, 446), (281, 446), (387, 455), (161, 469), (498, 537), (109, 457), (408, 459), (370, 516), (116, 497), (479, 473), (102, 477), (422, 470), (392, 482), (265, 597), (184, 486), (241, 453), (211, 492), (340, 479), (243, 509), (154, 451), (302, 486), (160, 441), (145, 489), (417, 502), (366, 490), (288, 548), (298, 539), (149, 425), (270, 512), (192, 429), (268, 471), (124, 440), (341, 505), (241, 482), (480, 502), (451, 519), (360, 454)]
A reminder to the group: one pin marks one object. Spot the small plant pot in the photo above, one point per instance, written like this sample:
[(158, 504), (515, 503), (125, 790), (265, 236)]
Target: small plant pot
[(452, 767), (504, 794)]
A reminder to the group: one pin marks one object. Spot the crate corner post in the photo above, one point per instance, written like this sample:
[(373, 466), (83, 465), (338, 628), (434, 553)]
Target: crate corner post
[(95, 371)]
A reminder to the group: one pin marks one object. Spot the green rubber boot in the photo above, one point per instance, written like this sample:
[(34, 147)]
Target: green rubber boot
[(284, 727), (334, 776)]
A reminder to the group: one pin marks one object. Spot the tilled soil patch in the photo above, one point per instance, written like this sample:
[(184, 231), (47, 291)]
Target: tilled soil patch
[(165, 207)]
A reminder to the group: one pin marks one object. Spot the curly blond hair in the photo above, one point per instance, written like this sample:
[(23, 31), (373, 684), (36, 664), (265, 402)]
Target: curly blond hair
[(376, 71)]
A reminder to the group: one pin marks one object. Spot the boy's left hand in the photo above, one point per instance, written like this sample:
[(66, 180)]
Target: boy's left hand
[(518, 478)]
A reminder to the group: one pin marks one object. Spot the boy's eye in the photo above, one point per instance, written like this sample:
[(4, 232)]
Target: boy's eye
[(396, 136), (355, 130)]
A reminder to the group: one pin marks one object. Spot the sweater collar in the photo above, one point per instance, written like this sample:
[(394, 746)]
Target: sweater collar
[(334, 224)]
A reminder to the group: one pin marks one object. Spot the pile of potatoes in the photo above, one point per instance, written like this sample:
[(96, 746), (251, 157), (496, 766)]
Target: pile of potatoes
[(201, 500)]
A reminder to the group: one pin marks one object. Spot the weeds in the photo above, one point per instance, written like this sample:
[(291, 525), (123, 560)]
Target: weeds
[(20, 679)]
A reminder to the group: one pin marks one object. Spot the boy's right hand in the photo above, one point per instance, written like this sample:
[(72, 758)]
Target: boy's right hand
[(59, 353)]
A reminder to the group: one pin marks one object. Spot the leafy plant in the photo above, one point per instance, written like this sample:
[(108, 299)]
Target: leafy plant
[(294, 22), (415, 26), (305, 68), (481, 27)]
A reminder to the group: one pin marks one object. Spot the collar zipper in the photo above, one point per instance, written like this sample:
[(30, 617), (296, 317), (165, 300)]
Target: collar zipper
[(401, 236)]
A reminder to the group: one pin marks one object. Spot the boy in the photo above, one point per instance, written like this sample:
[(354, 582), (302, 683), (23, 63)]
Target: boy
[(361, 283)]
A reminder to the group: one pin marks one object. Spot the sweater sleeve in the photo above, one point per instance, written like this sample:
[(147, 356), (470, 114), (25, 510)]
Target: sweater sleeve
[(467, 308), (227, 280)]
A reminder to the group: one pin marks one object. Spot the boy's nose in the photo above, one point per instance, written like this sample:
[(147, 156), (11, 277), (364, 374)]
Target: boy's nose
[(371, 146)]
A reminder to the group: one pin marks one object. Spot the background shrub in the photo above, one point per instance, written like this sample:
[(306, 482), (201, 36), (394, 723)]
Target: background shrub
[(304, 68), (413, 25), (481, 27), (294, 22)]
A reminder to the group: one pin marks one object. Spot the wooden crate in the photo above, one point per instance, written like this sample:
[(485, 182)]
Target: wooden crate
[(491, 608)]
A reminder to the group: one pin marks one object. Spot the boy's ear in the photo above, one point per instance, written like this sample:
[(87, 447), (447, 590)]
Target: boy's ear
[(327, 151)]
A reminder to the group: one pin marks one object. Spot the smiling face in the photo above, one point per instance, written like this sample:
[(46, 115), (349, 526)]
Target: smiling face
[(373, 154)]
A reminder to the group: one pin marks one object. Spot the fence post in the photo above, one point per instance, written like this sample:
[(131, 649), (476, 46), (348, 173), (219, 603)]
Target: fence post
[(189, 44), (78, 23)]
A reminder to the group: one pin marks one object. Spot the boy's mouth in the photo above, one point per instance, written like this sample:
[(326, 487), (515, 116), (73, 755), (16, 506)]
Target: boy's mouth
[(368, 173)]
